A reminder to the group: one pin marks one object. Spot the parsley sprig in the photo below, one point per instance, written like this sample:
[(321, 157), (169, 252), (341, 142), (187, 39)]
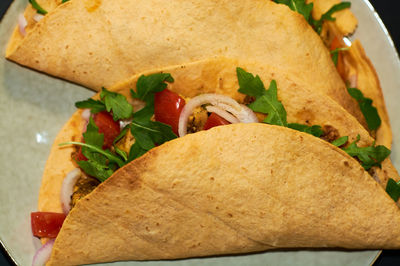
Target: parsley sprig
[(301, 7), (267, 102)]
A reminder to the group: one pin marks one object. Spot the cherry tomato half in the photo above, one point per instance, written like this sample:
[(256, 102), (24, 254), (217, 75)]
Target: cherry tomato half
[(46, 224), (215, 120), (108, 127), (167, 108)]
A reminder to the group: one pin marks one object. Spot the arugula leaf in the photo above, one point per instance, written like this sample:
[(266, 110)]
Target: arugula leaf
[(38, 8), (117, 103), (95, 106), (147, 133), (299, 6), (248, 84), (370, 112), (369, 156), (335, 54), (92, 135), (96, 169), (313, 130), (328, 15), (393, 189), (135, 152), (269, 104), (340, 141)]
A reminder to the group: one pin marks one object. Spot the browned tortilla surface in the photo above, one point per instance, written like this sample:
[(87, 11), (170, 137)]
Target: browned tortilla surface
[(232, 189), (99, 43)]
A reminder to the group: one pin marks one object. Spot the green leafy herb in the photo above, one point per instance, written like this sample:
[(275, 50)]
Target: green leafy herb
[(101, 163), (248, 84), (393, 189), (313, 130), (146, 86), (116, 103), (369, 156), (148, 133), (370, 112), (38, 8), (64, 1), (317, 24), (340, 141), (266, 100), (335, 54), (301, 7), (95, 106)]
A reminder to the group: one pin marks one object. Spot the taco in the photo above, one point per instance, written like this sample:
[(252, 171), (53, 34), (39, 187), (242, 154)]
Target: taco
[(208, 83), (117, 39)]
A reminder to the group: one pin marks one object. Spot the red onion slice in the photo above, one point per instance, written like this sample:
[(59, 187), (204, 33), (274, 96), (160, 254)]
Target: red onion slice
[(222, 113), (68, 188), (22, 23), (241, 112), (43, 254), (86, 114)]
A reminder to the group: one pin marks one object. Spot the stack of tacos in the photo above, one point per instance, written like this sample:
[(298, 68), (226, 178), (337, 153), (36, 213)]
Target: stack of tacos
[(265, 147)]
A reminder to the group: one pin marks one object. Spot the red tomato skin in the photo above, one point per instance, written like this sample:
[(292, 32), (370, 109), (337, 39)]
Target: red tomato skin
[(215, 120), (110, 128), (167, 108), (46, 224)]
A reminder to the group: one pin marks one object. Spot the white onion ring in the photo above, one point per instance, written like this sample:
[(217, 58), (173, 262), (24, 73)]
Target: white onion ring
[(353, 81), (22, 23), (222, 113), (242, 113), (68, 188), (123, 123), (37, 17), (42, 255)]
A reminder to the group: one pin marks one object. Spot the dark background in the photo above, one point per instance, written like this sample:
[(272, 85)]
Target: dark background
[(389, 14)]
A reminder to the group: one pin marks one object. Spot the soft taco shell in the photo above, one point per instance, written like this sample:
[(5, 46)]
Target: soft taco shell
[(233, 189), (217, 76), (117, 38)]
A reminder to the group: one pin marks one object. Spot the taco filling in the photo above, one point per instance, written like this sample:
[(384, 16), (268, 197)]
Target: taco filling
[(116, 132)]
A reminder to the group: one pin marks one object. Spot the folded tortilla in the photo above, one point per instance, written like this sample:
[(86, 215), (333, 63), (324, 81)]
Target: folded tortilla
[(233, 189), (98, 43)]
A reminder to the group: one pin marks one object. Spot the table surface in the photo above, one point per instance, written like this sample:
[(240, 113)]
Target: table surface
[(391, 19)]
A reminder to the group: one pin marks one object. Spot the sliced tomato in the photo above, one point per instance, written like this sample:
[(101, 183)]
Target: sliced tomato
[(215, 120), (340, 63), (167, 108), (46, 224), (108, 127)]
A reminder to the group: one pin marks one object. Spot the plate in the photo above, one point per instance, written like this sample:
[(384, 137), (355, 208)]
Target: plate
[(34, 106)]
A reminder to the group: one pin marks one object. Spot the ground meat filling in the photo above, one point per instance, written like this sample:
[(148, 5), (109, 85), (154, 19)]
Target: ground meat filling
[(83, 186), (330, 133)]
